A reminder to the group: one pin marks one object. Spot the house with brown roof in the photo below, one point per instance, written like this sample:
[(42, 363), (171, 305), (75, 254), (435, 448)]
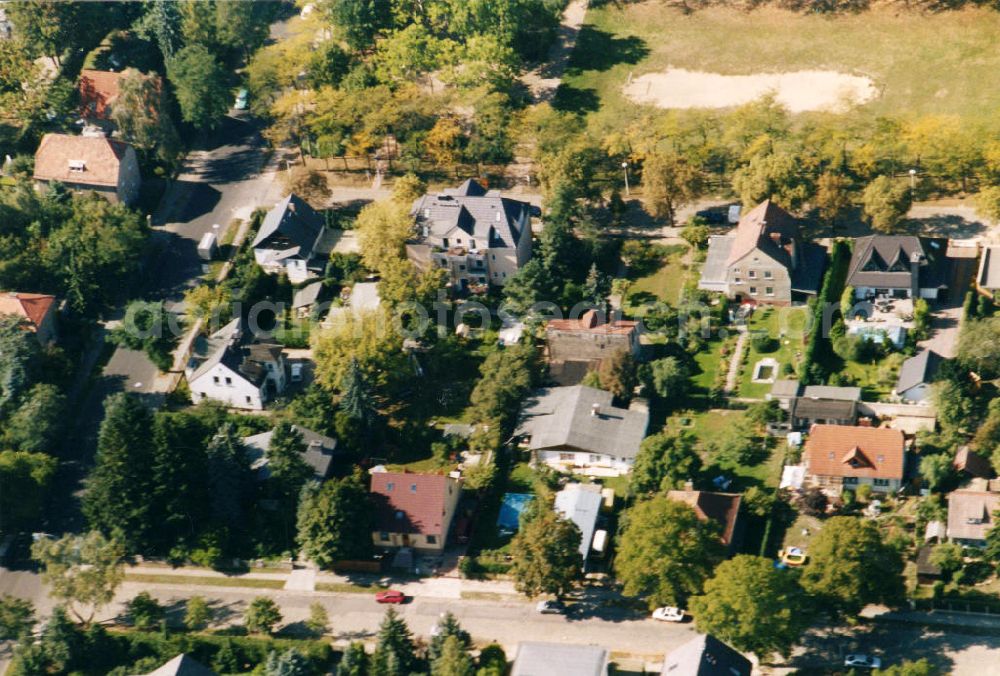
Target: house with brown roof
[(98, 90), (38, 310), (971, 516), (414, 510), (89, 163), (838, 457), (972, 464), (575, 346), (723, 508), (764, 260)]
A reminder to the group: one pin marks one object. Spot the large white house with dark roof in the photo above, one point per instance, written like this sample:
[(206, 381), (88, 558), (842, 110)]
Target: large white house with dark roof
[(475, 234), (241, 375), (578, 429), (763, 260), (288, 238), (897, 266)]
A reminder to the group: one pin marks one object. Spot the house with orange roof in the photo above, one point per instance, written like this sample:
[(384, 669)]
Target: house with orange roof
[(89, 163), (413, 510), (764, 260), (838, 457), (98, 90), (38, 310), (575, 346), (722, 508)]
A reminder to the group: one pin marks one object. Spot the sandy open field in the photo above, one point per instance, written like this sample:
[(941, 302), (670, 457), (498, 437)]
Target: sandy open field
[(799, 91)]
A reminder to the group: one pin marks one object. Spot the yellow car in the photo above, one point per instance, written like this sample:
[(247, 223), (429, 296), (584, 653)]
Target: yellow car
[(793, 556)]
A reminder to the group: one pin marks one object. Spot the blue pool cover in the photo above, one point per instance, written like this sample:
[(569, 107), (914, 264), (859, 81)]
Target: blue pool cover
[(511, 508)]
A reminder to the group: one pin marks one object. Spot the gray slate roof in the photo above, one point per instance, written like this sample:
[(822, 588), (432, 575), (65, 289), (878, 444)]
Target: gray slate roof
[(319, 451), (290, 224), (483, 215), (563, 417), (535, 658), (918, 369), (581, 504), (826, 409), (706, 655), (883, 261), (716, 269), (307, 295), (223, 347), (783, 388)]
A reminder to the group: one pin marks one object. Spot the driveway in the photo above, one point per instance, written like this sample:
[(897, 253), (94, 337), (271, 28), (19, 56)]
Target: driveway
[(947, 317)]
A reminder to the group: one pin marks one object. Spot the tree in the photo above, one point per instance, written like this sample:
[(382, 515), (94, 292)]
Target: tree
[(853, 566), (937, 470), (37, 424), (394, 650), (289, 663), (308, 184), (669, 379), (383, 228), (545, 552), (197, 613), (979, 347), (453, 660), (988, 202), (948, 556), (665, 461), (262, 616), (140, 113), (319, 620), (408, 188), (695, 234), (447, 627), (357, 20), (81, 569), (492, 661), (201, 86), (814, 501), (354, 662), (618, 374), (595, 286), (665, 552), (753, 606), (229, 478), (335, 521), (17, 617), (921, 667), (507, 375), (443, 143), (285, 461), (243, 26), (145, 611), (886, 203), (18, 355), (25, 478), (95, 253), (373, 340), (832, 197), (670, 180), (774, 175)]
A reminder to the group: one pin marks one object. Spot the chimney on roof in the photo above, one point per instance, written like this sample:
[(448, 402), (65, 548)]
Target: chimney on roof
[(689, 485), (595, 410), (291, 206)]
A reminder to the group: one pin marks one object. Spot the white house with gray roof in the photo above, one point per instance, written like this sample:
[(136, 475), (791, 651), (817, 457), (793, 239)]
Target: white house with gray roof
[(535, 658), (241, 375), (916, 377), (288, 238), (577, 429), (477, 235)]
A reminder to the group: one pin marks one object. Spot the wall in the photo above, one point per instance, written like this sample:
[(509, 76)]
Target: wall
[(234, 394), (556, 460)]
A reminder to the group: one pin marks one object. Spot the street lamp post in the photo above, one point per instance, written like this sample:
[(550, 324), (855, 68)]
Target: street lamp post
[(913, 181), (625, 167)]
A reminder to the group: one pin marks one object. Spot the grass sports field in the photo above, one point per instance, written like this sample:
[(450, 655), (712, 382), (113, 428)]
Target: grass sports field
[(920, 64)]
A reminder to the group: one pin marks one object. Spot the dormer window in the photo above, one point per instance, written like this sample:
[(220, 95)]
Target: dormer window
[(78, 166)]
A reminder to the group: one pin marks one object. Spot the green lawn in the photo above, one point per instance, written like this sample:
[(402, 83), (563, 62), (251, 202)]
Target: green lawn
[(921, 63), (665, 282), (185, 580), (876, 379), (710, 361), (786, 325)]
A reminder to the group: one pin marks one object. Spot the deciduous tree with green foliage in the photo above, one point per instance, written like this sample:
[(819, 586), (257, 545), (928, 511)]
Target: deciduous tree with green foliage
[(140, 113), (197, 613), (665, 461), (201, 85), (262, 616), (25, 478), (665, 552), (852, 566), (753, 606), (335, 521), (17, 617), (145, 611), (886, 203), (37, 424), (545, 551), (82, 570), (670, 180)]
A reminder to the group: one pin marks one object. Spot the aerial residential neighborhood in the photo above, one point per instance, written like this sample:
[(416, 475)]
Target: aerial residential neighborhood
[(522, 337)]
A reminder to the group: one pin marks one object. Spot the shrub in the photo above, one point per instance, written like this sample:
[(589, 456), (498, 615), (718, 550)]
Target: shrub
[(145, 611), (763, 343)]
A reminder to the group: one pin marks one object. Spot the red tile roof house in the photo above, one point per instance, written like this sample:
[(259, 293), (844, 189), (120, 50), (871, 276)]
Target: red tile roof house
[(89, 163), (579, 345), (723, 508), (413, 510), (98, 90), (38, 310), (838, 457)]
